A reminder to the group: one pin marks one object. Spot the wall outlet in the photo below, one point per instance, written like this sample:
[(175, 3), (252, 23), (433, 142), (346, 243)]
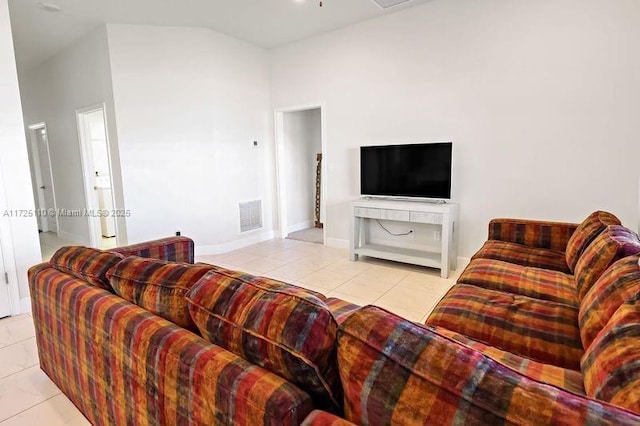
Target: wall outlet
[(436, 235)]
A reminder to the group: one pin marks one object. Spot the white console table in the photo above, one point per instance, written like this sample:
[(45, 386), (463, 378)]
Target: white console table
[(445, 215)]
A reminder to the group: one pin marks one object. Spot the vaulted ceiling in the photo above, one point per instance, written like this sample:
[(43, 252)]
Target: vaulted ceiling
[(39, 34)]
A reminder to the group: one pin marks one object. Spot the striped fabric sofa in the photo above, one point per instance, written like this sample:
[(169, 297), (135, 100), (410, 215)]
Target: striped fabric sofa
[(142, 336), (557, 302), (124, 363)]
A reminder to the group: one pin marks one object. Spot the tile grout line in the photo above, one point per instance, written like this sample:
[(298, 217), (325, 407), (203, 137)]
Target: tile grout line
[(33, 406), (17, 342), (21, 371)]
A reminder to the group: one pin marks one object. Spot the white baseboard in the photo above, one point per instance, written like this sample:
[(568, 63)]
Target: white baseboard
[(336, 242), (300, 226), (72, 238), (25, 305), (235, 244)]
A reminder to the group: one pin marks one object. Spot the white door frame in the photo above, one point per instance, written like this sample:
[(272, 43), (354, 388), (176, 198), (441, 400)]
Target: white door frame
[(281, 185), (8, 257), (86, 158), (33, 143)]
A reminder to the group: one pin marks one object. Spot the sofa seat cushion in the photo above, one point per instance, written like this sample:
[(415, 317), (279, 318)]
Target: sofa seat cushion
[(537, 283), (564, 378), (541, 330), (282, 328), (158, 286), (397, 372), (585, 233), (611, 364), (615, 242), (522, 255), (619, 284), (86, 263)]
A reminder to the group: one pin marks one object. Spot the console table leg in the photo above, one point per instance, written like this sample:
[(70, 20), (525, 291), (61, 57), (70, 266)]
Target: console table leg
[(444, 237), (355, 240)]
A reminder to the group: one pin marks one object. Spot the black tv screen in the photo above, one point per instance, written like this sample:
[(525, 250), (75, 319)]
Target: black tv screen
[(418, 170)]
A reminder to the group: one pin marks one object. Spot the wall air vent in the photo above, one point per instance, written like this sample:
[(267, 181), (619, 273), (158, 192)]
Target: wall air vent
[(385, 4), (250, 215)]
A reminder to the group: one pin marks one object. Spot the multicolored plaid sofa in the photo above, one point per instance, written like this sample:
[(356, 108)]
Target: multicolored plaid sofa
[(143, 336), (557, 302)]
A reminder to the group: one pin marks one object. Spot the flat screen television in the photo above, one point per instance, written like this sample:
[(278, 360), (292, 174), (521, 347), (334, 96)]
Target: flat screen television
[(417, 170)]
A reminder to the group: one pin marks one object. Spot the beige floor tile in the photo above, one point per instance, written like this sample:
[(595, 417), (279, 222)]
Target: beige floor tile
[(409, 314), (291, 254), (23, 390), (290, 272), (263, 250), (263, 265), (18, 356), (326, 279), (210, 258), (346, 265), (279, 243), (364, 288), (367, 281), (409, 300), (425, 283), (241, 259), (362, 301), (16, 329), (55, 411), (384, 274)]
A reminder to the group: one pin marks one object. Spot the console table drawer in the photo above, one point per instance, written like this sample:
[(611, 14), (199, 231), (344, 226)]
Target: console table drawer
[(399, 215), (422, 217)]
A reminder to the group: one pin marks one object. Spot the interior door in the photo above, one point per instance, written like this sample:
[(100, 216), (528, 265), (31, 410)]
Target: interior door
[(5, 305), (46, 186)]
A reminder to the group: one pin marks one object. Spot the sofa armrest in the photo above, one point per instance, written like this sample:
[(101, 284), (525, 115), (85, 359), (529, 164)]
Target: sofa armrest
[(175, 249), (322, 418), (532, 233)]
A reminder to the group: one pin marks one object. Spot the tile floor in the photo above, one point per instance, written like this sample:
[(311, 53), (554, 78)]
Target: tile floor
[(28, 397), (409, 291)]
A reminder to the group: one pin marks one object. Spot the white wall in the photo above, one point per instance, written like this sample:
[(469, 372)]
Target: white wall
[(76, 78), (22, 241), (190, 102), (302, 142), (539, 98)]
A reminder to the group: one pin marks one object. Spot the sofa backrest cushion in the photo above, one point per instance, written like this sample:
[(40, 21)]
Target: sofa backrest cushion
[(584, 234), (395, 371), (281, 328), (86, 263), (611, 365), (619, 284), (614, 243), (158, 286)]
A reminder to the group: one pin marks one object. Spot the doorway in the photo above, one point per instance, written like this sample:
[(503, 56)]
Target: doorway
[(42, 177), (97, 173), (300, 170)]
